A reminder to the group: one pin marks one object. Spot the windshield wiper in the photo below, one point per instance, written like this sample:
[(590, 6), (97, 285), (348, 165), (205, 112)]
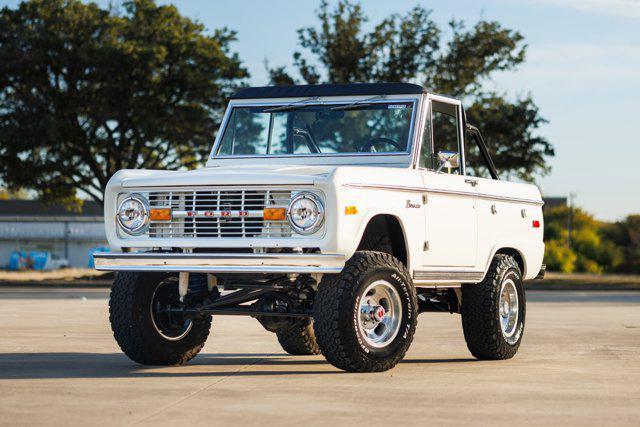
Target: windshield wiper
[(293, 106), (358, 104)]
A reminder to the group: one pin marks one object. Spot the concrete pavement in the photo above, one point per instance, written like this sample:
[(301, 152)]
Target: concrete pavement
[(579, 364)]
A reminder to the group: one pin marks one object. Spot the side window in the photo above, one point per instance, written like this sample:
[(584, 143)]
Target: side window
[(445, 133), (475, 164)]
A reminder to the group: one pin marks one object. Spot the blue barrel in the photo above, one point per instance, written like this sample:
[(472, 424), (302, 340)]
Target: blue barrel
[(39, 259), (17, 260)]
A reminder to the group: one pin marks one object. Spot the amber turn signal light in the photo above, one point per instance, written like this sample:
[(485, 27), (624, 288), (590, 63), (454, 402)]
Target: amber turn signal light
[(275, 214), (163, 214), (351, 210)]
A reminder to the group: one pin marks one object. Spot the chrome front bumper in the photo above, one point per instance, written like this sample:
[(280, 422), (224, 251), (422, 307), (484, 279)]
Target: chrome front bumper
[(219, 262)]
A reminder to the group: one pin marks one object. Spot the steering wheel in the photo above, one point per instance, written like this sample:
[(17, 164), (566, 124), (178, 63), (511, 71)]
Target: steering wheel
[(369, 145)]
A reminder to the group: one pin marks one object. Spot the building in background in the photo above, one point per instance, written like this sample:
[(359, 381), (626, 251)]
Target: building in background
[(554, 202), (28, 225)]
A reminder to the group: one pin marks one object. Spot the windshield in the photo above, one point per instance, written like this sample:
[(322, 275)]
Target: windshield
[(380, 127)]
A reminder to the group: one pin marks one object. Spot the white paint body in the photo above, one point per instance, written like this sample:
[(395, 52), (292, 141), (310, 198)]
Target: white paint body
[(463, 225)]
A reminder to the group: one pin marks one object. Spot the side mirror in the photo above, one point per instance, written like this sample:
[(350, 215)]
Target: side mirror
[(449, 160)]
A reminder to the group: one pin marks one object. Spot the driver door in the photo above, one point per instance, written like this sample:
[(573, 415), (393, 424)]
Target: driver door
[(451, 238)]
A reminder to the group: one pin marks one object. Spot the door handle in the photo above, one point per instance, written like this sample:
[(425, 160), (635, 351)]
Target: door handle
[(473, 182)]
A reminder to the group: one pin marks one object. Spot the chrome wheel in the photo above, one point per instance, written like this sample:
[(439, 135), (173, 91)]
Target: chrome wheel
[(380, 313), (508, 308), (171, 326)]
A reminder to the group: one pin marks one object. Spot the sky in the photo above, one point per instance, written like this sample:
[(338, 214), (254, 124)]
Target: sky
[(582, 70)]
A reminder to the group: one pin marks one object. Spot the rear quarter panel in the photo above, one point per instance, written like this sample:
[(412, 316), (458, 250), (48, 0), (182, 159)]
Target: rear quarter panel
[(506, 212)]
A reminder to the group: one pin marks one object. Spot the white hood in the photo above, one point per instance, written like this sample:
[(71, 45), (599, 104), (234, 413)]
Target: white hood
[(229, 175)]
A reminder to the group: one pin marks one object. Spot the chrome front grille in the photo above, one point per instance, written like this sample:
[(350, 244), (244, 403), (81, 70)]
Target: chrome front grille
[(219, 213)]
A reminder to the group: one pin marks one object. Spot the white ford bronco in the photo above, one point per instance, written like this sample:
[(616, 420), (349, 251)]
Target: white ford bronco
[(334, 215)]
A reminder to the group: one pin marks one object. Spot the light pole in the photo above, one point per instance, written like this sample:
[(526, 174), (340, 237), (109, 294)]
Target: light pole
[(572, 196)]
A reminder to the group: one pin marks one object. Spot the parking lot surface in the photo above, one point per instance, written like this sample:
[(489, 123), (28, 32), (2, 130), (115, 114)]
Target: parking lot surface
[(579, 364)]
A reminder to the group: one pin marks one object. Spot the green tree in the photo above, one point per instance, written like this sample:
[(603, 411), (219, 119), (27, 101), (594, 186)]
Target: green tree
[(86, 91), (559, 256), (625, 235), (596, 246), (410, 47)]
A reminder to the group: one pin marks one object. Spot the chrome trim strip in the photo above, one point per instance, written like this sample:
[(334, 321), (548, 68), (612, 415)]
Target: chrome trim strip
[(219, 262), (450, 192), (485, 196), (385, 187), (510, 199), (473, 276)]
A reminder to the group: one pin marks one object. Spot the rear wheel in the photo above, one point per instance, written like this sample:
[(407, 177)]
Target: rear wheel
[(144, 330), (365, 317), (493, 311), (299, 339)]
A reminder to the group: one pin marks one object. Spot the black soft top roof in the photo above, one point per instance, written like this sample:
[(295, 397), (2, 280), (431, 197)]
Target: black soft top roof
[(352, 89)]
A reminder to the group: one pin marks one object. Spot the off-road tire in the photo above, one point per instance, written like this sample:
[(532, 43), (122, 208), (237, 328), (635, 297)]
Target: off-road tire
[(299, 339), (336, 307), (480, 311), (133, 328)]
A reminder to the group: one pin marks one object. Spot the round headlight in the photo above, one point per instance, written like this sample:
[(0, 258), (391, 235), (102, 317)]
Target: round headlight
[(305, 213), (133, 214)]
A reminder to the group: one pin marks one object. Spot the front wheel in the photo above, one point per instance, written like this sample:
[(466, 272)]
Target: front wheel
[(143, 328), (365, 318), (493, 311)]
